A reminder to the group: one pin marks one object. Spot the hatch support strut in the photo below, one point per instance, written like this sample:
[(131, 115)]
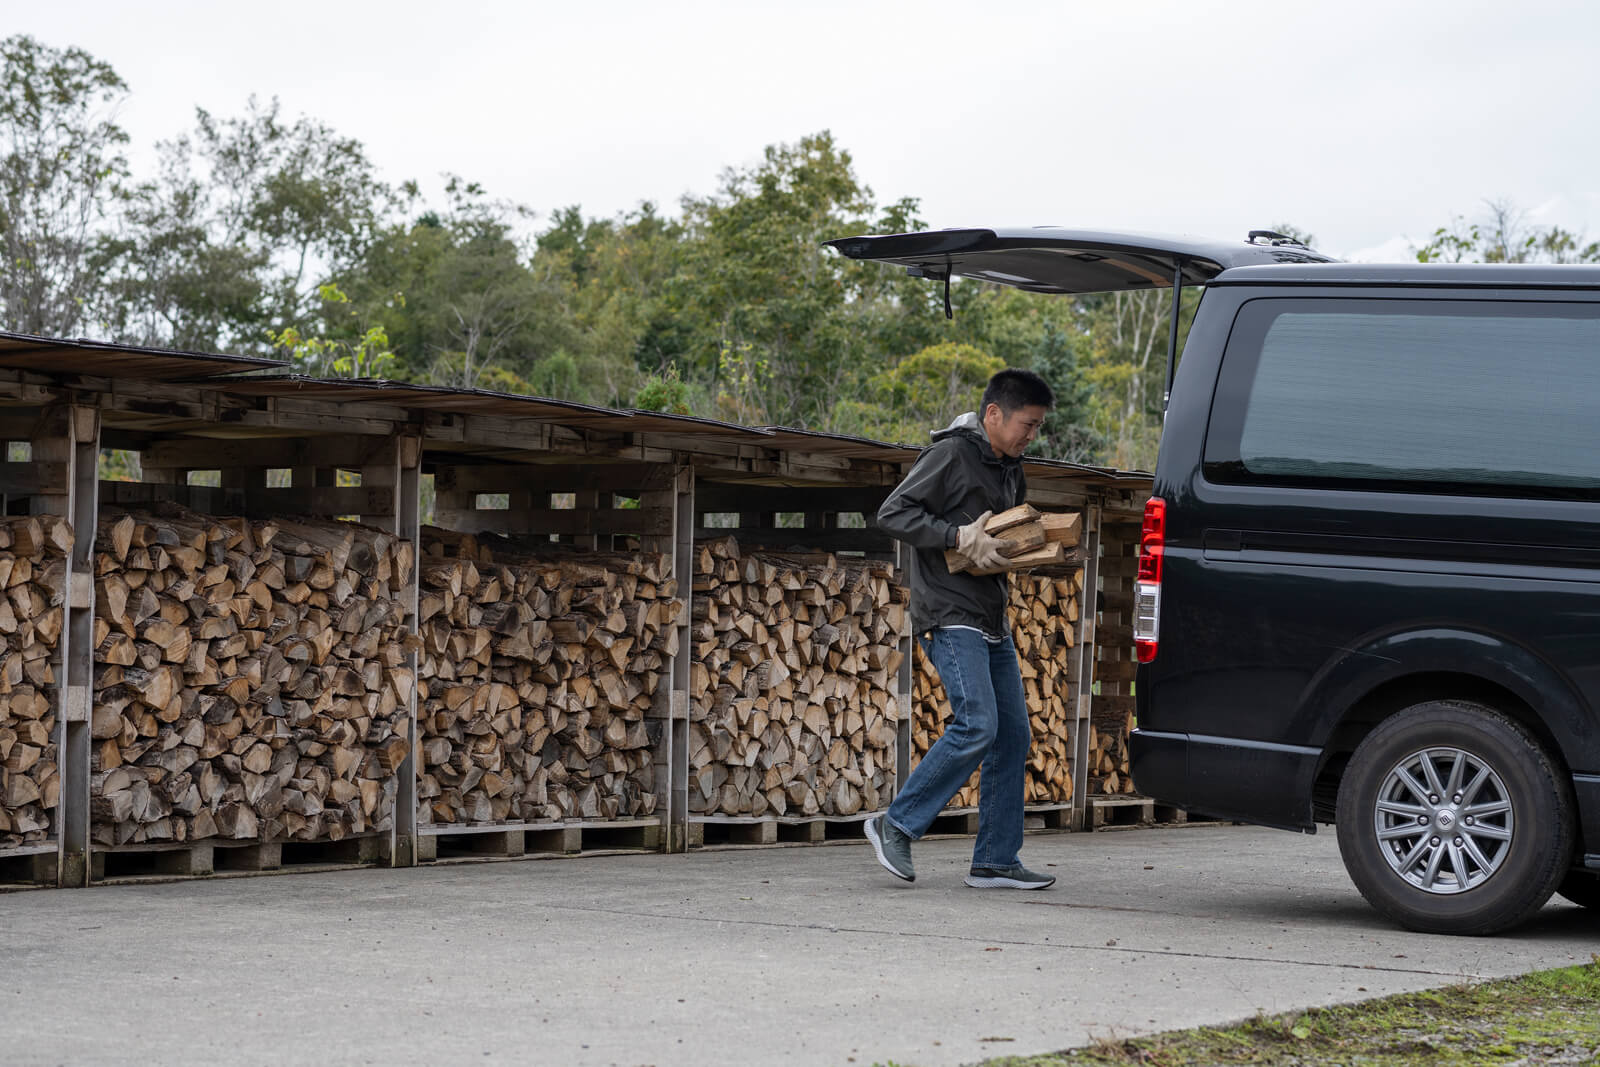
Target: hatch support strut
[(1172, 335)]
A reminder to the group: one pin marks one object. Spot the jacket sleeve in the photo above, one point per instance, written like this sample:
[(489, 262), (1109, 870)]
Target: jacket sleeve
[(914, 512)]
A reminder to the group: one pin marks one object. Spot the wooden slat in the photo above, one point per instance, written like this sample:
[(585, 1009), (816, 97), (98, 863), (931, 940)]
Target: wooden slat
[(1119, 566), (1120, 671), (722, 497), (322, 500), (626, 478), (1113, 704), (334, 450), (574, 521), (826, 540), (32, 477)]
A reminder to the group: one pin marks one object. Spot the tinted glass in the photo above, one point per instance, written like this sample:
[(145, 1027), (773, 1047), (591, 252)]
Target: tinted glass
[(1455, 392)]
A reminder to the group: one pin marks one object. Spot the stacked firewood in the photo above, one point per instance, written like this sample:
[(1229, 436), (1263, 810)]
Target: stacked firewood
[(1108, 749), (33, 554), (250, 678), (792, 685), (538, 676), (1044, 621)]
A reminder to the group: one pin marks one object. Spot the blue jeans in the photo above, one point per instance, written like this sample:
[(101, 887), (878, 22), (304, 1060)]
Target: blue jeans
[(988, 727)]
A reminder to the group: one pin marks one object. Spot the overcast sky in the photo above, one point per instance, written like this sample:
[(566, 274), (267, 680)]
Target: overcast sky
[(1366, 123)]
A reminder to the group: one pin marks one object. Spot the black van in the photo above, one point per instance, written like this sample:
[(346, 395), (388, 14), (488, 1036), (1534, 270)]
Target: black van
[(1369, 586)]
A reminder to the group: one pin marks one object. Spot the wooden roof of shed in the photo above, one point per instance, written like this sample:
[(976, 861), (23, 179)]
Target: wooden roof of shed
[(476, 402), (54, 355), (227, 374)]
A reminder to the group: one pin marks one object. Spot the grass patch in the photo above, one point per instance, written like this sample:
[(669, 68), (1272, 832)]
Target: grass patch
[(1549, 1017)]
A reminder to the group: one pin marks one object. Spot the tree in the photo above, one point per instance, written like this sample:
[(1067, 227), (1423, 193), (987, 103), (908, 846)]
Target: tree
[(759, 290), (325, 357), (618, 284), (246, 221), (1126, 340), (476, 313), (1069, 431), (175, 277), (1504, 236), (61, 182), (923, 392)]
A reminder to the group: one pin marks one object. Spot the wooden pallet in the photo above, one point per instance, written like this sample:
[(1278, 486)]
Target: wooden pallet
[(711, 830), (193, 859), (28, 866), (443, 843), (954, 821), (1036, 818), (1120, 812)]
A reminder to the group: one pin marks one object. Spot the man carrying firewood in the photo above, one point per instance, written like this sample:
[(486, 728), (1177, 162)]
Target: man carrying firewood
[(972, 470)]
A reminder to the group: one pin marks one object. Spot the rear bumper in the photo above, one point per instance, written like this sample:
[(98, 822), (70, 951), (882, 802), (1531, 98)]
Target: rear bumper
[(1251, 781)]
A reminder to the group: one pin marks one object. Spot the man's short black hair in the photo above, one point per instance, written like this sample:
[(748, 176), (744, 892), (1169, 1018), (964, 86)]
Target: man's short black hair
[(1013, 388)]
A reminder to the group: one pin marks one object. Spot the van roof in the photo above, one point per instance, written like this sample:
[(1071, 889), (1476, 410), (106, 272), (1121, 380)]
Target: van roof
[(1419, 275), (1049, 259)]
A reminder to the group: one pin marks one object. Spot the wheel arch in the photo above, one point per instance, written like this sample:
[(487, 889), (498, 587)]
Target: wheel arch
[(1366, 686)]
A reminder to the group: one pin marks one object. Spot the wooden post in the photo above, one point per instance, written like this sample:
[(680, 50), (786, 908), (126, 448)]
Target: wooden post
[(1083, 688), (672, 756), (903, 678), (70, 435), (587, 500), (398, 465)]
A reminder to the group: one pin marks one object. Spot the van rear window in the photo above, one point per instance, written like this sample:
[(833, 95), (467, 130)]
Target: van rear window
[(1471, 394)]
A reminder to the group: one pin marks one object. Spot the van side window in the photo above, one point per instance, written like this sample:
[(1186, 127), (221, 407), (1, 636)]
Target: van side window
[(1471, 395)]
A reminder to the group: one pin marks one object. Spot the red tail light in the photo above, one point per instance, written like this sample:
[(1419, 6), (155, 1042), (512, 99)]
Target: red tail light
[(1147, 588)]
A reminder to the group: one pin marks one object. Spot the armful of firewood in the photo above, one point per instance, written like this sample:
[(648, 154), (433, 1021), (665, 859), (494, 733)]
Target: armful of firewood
[(1032, 538)]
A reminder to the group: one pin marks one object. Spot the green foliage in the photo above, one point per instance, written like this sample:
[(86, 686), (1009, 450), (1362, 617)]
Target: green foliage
[(924, 391), (246, 220), (62, 178), (365, 357), (665, 391), (1503, 236), (474, 312), (1545, 1017), (1072, 430), (118, 465)]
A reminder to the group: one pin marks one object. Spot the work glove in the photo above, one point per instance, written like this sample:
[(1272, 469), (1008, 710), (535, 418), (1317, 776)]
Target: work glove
[(978, 547)]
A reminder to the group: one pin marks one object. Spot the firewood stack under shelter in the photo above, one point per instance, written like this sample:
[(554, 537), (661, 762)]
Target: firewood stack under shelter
[(251, 656), (250, 678), (538, 674), (792, 696), (33, 555)]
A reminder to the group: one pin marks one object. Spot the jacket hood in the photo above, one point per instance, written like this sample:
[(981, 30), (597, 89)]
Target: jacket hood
[(971, 426), (968, 422)]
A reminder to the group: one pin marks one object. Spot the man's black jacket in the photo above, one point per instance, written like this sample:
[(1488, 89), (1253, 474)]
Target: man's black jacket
[(957, 479)]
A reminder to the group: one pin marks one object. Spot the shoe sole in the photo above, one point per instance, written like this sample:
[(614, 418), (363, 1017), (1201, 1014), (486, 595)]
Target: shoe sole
[(979, 882), (877, 847)]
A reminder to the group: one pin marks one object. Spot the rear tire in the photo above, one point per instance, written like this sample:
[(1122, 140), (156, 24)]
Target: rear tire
[(1452, 819), (1582, 888)]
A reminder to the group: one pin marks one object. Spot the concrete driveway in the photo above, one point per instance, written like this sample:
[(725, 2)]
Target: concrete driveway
[(748, 956)]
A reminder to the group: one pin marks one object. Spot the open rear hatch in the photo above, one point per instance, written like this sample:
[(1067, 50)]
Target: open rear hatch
[(1050, 260)]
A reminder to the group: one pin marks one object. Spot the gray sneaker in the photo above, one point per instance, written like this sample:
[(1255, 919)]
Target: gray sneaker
[(892, 846), (1018, 877)]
